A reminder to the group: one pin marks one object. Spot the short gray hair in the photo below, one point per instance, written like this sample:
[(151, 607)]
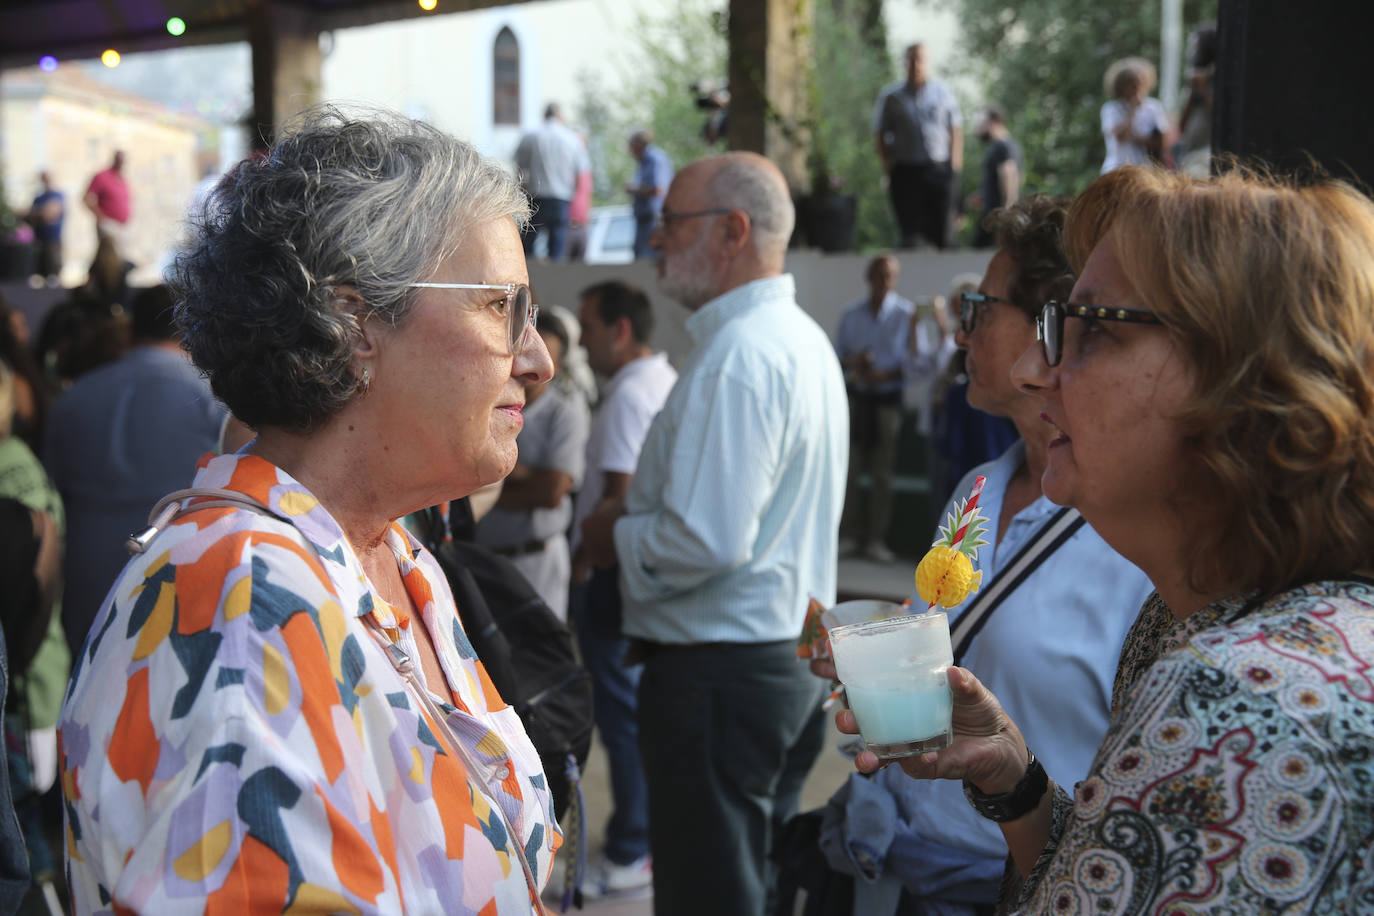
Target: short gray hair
[(746, 183), (370, 200)]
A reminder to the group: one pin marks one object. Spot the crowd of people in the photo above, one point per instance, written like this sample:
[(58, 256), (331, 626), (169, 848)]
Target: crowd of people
[(249, 679)]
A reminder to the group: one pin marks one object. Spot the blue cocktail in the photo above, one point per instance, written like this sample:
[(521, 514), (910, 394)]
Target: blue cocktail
[(894, 676)]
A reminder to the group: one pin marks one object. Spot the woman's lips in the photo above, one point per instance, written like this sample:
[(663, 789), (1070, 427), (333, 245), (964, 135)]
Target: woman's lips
[(1062, 438)]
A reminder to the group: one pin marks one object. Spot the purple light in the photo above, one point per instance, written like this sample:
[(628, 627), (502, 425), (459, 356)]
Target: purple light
[(47, 63)]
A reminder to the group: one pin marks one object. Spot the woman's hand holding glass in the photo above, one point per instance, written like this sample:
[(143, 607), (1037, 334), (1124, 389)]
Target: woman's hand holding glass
[(988, 749)]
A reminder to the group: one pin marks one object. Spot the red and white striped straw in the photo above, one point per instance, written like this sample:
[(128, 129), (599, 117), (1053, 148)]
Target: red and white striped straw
[(971, 504)]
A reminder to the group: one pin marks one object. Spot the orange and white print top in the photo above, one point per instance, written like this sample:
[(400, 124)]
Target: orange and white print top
[(234, 740)]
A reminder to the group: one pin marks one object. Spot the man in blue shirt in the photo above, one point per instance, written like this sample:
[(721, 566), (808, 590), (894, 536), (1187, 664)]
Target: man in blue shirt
[(871, 342), (729, 527), (118, 440), (650, 183), (45, 215)]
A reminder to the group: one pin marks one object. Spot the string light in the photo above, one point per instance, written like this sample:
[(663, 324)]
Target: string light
[(176, 26), (47, 63), (428, 5), (110, 58)]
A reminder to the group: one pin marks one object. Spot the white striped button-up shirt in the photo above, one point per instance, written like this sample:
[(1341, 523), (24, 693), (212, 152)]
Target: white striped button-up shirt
[(732, 516)]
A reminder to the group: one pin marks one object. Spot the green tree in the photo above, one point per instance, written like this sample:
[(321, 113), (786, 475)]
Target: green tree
[(1043, 60), (666, 55), (852, 64)]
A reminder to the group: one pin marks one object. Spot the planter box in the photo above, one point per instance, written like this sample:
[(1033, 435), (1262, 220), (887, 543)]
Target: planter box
[(829, 221)]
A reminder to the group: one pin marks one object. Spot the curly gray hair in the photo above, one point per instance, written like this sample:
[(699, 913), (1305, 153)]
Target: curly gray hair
[(374, 201)]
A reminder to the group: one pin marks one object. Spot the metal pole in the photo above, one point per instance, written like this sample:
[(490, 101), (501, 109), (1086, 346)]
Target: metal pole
[(1171, 47)]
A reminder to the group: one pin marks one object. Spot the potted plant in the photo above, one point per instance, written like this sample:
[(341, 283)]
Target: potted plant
[(16, 243), (828, 214)]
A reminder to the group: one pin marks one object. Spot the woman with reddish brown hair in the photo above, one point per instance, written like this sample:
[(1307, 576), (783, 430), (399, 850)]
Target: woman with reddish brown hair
[(1210, 384)]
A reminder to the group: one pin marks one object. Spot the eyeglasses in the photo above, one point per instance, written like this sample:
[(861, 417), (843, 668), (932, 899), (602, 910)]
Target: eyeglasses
[(666, 219), (1049, 327), (968, 309), (518, 307)]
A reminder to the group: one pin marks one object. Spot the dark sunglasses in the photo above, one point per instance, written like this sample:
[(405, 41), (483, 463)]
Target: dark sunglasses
[(1049, 327)]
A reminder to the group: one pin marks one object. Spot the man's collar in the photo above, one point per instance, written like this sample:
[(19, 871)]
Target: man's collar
[(718, 312)]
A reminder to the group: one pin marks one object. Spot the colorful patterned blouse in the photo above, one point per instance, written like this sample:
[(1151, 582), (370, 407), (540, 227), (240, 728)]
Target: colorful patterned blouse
[(1238, 772), (235, 739)]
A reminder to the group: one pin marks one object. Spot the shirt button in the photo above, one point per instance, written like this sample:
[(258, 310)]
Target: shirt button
[(503, 774)]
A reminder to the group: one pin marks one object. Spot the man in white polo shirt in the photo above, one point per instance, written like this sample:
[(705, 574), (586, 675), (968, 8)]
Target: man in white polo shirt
[(617, 322)]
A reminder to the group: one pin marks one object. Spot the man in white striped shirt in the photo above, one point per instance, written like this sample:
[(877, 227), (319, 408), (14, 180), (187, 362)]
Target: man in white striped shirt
[(729, 527)]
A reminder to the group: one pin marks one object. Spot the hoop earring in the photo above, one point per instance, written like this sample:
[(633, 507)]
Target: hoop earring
[(367, 382)]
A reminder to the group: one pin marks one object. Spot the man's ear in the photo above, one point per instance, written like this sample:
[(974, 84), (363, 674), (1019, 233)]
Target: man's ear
[(737, 230), (623, 332)]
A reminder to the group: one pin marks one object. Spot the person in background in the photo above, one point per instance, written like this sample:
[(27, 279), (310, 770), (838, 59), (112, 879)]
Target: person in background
[(28, 570), (1004, 167), (729, 527), (962, 436), (530, 521), (31, 393), (617, 323), (872, 344), (1207, 388), (277, 706), (108, 198), (920, 135), (1193, 155), (1043, 643), (46, 215), (1133, 124), (580, 210), (549, 159), (119, 439), (39, 661), (653, 173)]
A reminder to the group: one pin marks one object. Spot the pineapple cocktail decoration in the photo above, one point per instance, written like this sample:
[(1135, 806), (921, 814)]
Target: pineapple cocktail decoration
[(945, 575)]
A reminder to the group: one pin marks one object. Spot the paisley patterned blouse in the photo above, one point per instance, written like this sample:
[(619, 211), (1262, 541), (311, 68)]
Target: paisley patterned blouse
[(1238, 772), (234, 739)]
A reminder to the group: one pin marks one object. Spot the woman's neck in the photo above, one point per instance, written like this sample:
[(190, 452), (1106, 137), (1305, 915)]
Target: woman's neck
[(332, 464)]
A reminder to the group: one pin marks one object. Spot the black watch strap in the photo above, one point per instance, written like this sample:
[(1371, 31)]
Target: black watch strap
[(1020, 801)]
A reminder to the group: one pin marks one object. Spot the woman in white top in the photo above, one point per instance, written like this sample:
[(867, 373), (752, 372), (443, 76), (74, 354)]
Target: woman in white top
[(1133, 124)]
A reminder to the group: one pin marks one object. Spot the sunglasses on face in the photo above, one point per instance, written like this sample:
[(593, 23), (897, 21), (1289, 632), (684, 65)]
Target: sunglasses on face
[(973, 306), (1049, 327)]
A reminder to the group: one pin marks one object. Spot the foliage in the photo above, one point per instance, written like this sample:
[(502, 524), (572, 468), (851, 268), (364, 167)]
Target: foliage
[(1043, 61), (665, 56), (852, 64)]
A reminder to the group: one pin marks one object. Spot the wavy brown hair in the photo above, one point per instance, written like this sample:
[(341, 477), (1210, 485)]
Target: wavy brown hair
[(1031, 231), (1268, 287)]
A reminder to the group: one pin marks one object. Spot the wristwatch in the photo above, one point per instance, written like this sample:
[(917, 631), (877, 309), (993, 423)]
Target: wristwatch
[(1020, 801)]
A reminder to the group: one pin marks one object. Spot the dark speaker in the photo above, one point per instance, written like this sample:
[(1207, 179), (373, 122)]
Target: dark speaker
[(1293, 85)]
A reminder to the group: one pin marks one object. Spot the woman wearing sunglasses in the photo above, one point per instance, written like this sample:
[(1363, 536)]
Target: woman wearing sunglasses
[(1056, 633), (1210, 388), (277, 706)]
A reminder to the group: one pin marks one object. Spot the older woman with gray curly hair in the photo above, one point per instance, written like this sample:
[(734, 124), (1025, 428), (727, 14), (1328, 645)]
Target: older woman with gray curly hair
[(277, 705)]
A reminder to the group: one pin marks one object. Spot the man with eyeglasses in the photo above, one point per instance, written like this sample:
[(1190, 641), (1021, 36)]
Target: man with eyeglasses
[(729, 527)]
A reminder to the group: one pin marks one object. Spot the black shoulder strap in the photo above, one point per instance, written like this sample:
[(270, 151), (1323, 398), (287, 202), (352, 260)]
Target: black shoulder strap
[(1061, 526)]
